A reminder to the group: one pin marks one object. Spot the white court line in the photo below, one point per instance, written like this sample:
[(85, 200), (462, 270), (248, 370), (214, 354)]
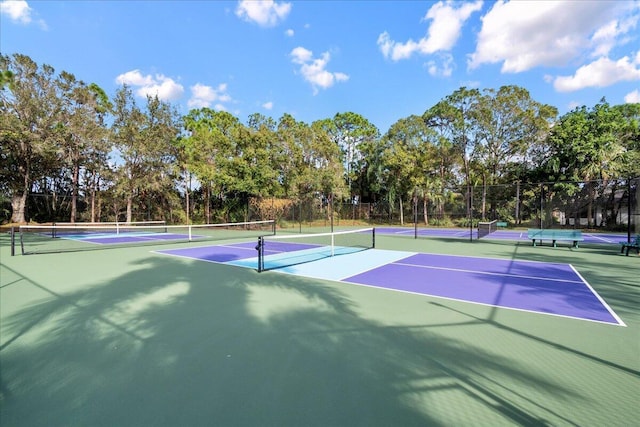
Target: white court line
[(523, 310), (602, 301), (403, 232), (595, 236)]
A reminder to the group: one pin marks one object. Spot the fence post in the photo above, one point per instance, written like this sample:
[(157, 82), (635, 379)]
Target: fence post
[(415, 213), (13, 241), (470, 195), (629, 211)]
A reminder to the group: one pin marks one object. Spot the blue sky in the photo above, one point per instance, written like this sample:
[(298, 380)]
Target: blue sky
[(313, 59)]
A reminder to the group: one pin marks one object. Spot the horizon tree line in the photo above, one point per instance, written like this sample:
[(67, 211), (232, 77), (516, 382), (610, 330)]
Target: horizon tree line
[(126, 159)]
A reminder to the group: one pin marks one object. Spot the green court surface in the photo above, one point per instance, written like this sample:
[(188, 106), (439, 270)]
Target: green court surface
[(127, 337)]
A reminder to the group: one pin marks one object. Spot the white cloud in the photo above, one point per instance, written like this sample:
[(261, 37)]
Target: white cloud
[(134, 78), (632, 97), (301, 55), (17, 10), (164, 87), (446, 24), (266, 13), (268, 105), (203, 96), (611, 34), (600, 73), (442, 69), (442, 35), (289, 32), (525, 34), (314, 70)]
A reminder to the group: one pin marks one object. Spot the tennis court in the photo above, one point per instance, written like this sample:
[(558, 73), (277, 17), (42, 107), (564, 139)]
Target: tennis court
[(513, 235), (39, 239), (429, 331), (539, 287)]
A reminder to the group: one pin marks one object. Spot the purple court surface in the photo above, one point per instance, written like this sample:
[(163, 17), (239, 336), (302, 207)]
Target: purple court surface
[(538, 287)]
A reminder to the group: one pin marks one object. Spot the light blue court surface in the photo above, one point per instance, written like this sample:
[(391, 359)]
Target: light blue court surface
[(332, 268)]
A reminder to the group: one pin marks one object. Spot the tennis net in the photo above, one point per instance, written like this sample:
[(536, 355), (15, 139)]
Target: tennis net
[(113, 223), (486, 228), (37, 239), (283, 251)]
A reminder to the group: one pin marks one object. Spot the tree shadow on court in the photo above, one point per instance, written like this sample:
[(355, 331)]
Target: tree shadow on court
[(612, 280), (613, 276), (183, 343)]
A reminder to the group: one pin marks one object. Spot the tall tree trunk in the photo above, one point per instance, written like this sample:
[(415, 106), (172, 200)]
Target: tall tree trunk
[(129, 206), (424, 211), (18, 206), (517, 203), (19, 200), (93, 200), (591, 196), (98, 207), (187, 208), (207, 204), (74, 192)]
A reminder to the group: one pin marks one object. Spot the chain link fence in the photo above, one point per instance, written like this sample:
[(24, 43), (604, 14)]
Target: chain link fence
[(611, 205)]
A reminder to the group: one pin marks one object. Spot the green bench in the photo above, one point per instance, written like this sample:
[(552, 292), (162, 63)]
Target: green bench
[(501, 224), (536, 234), (634, 244)]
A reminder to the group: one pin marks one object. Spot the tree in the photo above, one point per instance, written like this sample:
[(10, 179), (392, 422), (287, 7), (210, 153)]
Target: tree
[(323, 157), (454, 119), (587, 145), (145, 141), (205, 151), (293, 137), (254, 164), (506, 123), (350, 131), (29, 108), (407, 160), (82, 134)]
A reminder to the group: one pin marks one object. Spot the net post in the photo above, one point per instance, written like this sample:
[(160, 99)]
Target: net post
[(21, 242), (260, 250), (333, 245), (273, 226), (373, 238), (331, 209), (189, 230), (13, 241)]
